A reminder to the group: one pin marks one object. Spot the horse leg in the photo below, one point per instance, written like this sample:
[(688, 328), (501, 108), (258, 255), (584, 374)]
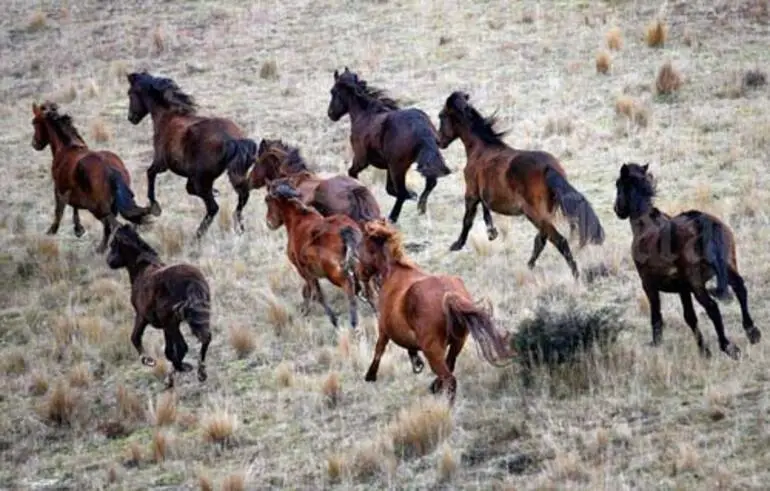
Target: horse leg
[(156, 168), (712, 309), (455, 347), (471, 206), (350, 290), (77, 226), (491, 230), (537, 249), (558, 240), (402, 194), (379, 349), (369, 295), (692, 320), (392, 189), (322, 301), (417, 363), (357, 166), (307, 294), (422, 204), (739, 287), (656, 318), (243, 198), (109, 223), (445, 380), (202, 331), (140, 324), (176, 349), (58, 212), (203, 189)]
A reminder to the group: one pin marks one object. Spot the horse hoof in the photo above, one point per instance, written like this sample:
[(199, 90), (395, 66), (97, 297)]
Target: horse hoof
[(147, 361), (492, 234), (370, 377), (705, 352), (732, 351), (753, 334), (422, 209), (202, 375), (435, 386), (456, 246), (412, 195), (79, 231), (184, 367), (155, 209), (51, 230), (418, 366)]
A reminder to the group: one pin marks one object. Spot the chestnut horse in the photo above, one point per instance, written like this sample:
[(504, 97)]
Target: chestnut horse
[(513, 182), (318, 247), (196, 147), (680, 254), (387, 137), (425, 312), (163, 296), (83, 178), (332, 195)]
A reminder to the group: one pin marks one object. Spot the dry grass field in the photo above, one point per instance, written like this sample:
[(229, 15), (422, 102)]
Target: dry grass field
[(286, 405)]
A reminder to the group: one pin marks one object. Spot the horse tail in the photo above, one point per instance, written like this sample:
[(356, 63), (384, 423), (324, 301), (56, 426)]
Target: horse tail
[(195, 309), (238, 155), (124, 199), (576, 207), (430, 162), (364, 208), (461, 312), (716, 252), (350, 241)]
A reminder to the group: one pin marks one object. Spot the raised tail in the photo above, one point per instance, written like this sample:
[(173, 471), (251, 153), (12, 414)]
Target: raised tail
[(351, 239), (430, 162), (461, 312), (576, 207), (124, 199), (364, 206), (238, 155), (715, 250)]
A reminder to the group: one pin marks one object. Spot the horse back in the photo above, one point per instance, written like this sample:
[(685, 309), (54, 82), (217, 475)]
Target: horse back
[(82, 175), (166, 288)]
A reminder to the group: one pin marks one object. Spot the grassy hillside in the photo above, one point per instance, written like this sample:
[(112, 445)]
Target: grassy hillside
[(286, 405)]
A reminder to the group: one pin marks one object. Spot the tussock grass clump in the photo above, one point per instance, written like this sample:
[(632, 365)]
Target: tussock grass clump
[(603, 62), (269, 70), (100, 131), (632, 110), (37, 21), (655, 35), (614, 39), (331, 389), (61, 405), (417, 430), (242, 341), (219, 425), (669, 80), (160, 446), (234, 482), (164, 411), (129, 404)]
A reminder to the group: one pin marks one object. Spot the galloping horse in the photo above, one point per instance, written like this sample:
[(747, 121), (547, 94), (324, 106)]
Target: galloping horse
[(387, 137), (680, 254), (83, 178), (511, 182), (318, 247), (163, 296), (330, 195), (192, 146), (424, 312)]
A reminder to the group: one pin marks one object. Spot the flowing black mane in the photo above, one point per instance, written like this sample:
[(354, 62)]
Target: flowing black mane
[(166, 92), (368, 96), (128, 236), (62, 124), (483, 128)]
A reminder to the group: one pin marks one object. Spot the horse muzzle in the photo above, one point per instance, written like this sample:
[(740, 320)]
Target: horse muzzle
[(133, 118), (36, 145)]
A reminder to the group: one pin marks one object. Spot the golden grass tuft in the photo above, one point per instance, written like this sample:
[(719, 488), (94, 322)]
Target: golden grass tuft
[(219, 424), (60, 406), (37, 21), (655, 34), (332, 389), (269, 70), (632, 110), (277, 313), (100, 131), (15, 363), (160, 446), (335, 468), (284, 374), (164, 410), (371, 459), (112, 475), (234, 482), (80, 375), (134, 454), (242, 340), (204, 482), (171, 239), (603, 62), (668, 81), (447, 464), (161, 368), (614, 39), (129, 405), (418, 429), (39, 384), (158, 40), (118, 71)]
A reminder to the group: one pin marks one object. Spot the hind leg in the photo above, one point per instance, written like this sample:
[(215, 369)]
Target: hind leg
[(417, 364), (140, 324), (471, 207), (322, 300), (422, 204), (203, 189), (402, 194), (445, 380), (176, 349), (537, 249), (712, 309), (110, 223), (350, 291), (391, 187), (243, 198), (656, 318), (561, 244), (491, 230), (77, 226), (59, 205), (739, 287), (379, 349), (157, 167), (692, 320), (202, 331)]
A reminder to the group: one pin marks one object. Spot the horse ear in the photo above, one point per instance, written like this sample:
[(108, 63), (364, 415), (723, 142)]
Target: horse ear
[(466, 96), (645, 167), (336, 75), (131, 77), (624, 171), (262, 147), (35, 109), (347, 70)]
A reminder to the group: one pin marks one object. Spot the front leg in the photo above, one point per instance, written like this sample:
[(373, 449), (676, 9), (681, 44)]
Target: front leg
[(358, 164), (157, 167), (60, 203), (78, 227), (656, 319), (491, 230), (140, 324), (471, 206)]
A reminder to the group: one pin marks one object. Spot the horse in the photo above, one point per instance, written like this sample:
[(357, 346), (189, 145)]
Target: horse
[(680, 254), (164, 296), (94, 180), (427, 312), (513, 182), (330, 195), (318, 247), (197, 147), (387, 137)]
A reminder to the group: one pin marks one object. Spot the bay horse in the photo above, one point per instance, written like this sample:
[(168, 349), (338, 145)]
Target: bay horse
[(426, 312), (680, 254), (512, 182), (318, 247), (197, 147), (164, 296), (94, 180), (329, 194), (387, 137)]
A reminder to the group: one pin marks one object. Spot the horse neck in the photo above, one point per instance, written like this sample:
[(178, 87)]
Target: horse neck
[(294, 214), (141, 267), (470, 141), (57, 143), (358, 110), (646, 219), (162, 116)]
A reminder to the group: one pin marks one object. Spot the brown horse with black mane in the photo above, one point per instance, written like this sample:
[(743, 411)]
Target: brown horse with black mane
[(680, 254), (83, 178), (192, 146), (164, 296), (387, 137), (513, 182), (424, 312), (330, 195), (319, 247)]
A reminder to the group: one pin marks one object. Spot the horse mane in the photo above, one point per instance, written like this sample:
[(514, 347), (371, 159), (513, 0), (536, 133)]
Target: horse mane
[(482, 127), (166, 92), (62, 124), (282, 188), (371, 96), (130, 237), (287, 155), (390, 238)]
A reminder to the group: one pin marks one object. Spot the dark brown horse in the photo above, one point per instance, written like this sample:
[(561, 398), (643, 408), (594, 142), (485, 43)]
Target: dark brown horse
[(83, 178), (387, 137), (163, 296), (330, 195), (514, 182), (424, 312), (680, 254), (196, 147), (318, 247)]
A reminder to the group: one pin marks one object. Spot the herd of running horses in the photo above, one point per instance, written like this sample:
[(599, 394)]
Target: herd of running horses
[(336, 231)]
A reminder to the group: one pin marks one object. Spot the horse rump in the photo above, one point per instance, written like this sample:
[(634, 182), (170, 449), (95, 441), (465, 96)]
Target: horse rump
[(124, 199), (461, 312), (238, 155), (363, 205), (576, 208)]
